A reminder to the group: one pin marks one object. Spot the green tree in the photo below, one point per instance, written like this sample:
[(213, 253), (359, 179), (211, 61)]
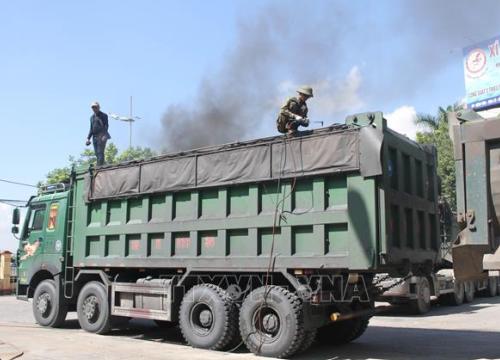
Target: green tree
[(57, 175), (435, 131), (134, 153), (87, 158)]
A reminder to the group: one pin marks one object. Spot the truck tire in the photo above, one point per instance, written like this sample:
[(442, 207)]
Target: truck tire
[(422, 304), (272, 322), (342, 332), (309, 338), (469, 290), (47, 307), (208, 317), (93, 308), (492, 289), (455, 298)]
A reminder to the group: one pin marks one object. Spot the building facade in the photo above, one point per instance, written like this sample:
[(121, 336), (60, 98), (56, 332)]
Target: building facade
[(7, 273)]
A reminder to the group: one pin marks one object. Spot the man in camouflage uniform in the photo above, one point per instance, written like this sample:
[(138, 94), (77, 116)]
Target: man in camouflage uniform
[(293, 113)]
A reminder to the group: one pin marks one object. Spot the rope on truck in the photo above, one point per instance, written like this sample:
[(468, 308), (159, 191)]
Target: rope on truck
[(276, 221)]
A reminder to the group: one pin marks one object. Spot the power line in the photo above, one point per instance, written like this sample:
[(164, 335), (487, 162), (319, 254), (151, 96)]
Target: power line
[(17, 183), (14, 203)]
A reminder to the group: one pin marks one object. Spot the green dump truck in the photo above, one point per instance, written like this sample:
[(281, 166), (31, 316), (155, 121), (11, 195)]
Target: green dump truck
[(271, 243)]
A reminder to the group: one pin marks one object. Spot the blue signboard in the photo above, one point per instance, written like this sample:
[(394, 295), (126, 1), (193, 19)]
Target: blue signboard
[(482, 74)]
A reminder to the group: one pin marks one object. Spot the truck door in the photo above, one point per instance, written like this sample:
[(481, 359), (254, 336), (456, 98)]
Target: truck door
[(32, 242)]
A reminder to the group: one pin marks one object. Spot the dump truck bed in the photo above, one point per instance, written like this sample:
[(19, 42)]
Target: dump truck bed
[(323, 200)]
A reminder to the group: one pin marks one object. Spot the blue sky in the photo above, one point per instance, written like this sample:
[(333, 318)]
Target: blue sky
[(59, 56)]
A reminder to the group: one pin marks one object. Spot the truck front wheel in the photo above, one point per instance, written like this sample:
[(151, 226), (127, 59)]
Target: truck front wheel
[(422, 304), (93, 308), (47, 307)]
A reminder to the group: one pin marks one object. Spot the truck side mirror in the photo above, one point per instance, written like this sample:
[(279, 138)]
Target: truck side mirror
[(15, 230), (16, 216)]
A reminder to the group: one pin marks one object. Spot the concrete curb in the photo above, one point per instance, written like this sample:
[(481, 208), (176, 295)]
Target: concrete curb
[(9, 352)]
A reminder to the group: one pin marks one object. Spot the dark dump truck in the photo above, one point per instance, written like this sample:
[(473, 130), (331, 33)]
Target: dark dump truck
[(270, 243), (476, 141), (469, 261)]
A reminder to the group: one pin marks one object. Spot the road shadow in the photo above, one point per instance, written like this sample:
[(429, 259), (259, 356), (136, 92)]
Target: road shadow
[(378, 342), (400, 343), (439, 309), (147, 330), (71, 324), (471, 308)]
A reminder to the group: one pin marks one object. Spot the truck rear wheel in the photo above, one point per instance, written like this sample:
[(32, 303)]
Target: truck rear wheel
[(309, 338), (492, 289), (271, 322), (456, 297), (422, 304), (469, 290), (93, 308), (342, 332), (47, 307), (208, 317)]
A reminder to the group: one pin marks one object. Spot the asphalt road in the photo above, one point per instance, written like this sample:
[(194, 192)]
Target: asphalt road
[(470, 331)]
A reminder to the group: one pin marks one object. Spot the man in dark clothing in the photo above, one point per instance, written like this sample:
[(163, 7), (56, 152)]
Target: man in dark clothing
[(293, 113), (98, 132)]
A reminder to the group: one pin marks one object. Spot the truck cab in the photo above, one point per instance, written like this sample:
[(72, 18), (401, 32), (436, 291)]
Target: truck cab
[(40, 255)]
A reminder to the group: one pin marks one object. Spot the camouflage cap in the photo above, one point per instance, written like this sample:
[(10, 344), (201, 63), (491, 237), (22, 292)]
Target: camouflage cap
[(306, 90), (95, 104)]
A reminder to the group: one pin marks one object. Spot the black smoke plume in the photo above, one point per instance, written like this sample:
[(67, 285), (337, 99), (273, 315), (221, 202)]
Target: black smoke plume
[(356, 61)]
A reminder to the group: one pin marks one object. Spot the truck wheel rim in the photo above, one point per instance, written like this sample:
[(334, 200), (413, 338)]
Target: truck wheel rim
[(91, 308), (267, 323), (201, 319), (426, 295), (43, 304)]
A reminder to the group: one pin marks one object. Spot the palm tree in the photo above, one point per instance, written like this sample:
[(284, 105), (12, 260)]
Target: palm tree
[(435, 131), (432, 122)]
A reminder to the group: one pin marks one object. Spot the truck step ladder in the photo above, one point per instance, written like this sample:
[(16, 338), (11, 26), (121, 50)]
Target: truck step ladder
[(69, 270)]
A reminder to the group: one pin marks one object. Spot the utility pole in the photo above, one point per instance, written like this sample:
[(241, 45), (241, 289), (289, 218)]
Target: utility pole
[(130, 119), (130, 125)]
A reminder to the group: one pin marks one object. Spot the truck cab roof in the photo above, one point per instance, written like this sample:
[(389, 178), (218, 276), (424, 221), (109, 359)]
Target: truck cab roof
[(49, 197)]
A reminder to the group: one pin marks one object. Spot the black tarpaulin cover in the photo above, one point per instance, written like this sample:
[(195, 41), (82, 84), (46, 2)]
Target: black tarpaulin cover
[(321, 151)]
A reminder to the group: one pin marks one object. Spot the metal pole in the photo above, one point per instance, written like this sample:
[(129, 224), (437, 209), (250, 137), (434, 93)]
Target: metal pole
[(130, 124)]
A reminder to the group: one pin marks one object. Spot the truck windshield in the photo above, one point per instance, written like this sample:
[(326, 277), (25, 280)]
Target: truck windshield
[(36, 218)]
